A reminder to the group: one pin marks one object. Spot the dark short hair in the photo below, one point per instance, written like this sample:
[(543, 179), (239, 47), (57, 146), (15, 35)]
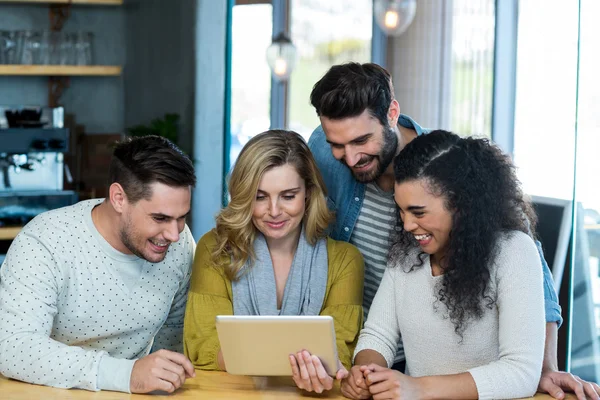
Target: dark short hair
[(347, 90), (138, 162)]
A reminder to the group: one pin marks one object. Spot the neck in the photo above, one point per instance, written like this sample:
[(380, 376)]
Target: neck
[(285, 246), (436, 261), (105, 220), (404, 136)]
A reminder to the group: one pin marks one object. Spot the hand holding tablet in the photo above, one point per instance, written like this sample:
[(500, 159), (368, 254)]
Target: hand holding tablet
[(262, 345)]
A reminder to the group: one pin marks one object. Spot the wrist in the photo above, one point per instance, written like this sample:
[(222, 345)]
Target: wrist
[(427, 391), (549, 367)]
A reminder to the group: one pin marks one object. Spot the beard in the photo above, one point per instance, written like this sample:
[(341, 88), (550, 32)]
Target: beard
[(382, 160), (129, 237)]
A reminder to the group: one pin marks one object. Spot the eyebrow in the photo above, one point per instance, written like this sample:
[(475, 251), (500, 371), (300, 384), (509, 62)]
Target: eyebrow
[(353, 141), (413, 208), (165, 216), (296, 189)]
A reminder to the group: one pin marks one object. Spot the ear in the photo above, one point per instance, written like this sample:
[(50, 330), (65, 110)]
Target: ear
[(393, 113), (117, 197)]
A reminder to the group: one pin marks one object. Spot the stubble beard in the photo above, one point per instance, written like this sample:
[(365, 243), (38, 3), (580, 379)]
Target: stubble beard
[(383, 159)]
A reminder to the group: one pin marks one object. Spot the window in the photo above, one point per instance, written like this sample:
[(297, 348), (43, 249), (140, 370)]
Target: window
[(585, 334), (472, 67), (252, 27), (325, 33)]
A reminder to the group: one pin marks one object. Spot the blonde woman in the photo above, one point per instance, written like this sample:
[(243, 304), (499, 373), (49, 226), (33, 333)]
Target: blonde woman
[(269, 255)]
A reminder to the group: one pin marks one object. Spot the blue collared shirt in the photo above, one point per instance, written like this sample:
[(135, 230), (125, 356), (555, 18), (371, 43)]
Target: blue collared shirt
[(345, 197)]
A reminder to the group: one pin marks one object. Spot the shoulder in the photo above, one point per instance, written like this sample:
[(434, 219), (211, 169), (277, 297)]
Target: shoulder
[(208, 241), (342, 254), (337, 248), (407, 122), (516, 250), (204, 250), (55, 227), (515, 242)]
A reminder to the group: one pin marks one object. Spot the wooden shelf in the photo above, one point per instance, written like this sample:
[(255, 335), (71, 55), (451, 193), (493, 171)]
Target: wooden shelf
[(60, 70), (88, 2), (9, 232)]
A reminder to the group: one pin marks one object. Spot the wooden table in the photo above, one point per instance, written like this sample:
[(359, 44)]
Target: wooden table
[(206, 385)]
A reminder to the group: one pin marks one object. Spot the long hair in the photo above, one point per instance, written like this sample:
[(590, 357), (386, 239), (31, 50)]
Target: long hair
[(479, 186), (234, 229)]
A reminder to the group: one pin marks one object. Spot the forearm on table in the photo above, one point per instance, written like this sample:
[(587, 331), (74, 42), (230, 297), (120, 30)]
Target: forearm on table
[(365, 357), (457, 386), (550, 347)]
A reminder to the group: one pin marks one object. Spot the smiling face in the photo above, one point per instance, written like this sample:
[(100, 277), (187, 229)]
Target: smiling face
[(362, 143), (148, 227), (424, 215), (280, 204)]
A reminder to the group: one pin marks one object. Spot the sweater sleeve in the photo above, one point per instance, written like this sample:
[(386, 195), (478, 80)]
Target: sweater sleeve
[(30, 283), (381, 332), (170, 336), (520, 302), (344, 299), (209, 296)]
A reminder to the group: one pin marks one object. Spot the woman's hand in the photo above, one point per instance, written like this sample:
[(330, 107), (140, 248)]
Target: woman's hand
[(385, 383), (354, 385), (309, 373)]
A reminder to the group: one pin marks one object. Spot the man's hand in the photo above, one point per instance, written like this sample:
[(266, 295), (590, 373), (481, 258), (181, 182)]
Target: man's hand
[(556, 382), (163, 370), (354, 385)]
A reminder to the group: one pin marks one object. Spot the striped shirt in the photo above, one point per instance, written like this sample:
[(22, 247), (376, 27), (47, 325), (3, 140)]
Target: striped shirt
[(372, 236)]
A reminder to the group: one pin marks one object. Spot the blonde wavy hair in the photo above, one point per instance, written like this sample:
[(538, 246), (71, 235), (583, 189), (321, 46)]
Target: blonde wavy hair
[(235, 231)]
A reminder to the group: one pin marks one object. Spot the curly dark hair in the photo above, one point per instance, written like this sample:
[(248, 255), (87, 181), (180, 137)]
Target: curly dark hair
[(479, 185)]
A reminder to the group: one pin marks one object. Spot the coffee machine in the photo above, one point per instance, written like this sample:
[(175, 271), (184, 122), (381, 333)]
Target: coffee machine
[(33, 142)]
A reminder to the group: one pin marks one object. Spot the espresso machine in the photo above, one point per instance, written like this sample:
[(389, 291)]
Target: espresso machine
[(33, 142)]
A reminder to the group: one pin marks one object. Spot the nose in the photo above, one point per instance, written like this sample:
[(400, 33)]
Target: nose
[(274, 209), (171, 232), (409, 223), (351, 157)]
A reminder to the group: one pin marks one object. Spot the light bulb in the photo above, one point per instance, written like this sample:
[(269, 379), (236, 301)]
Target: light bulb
[(394, 16), (281, 57), (281, 67), (391, 19)]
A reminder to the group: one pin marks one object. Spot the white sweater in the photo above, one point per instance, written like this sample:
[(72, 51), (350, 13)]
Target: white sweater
[(503, 351), (76, 313)]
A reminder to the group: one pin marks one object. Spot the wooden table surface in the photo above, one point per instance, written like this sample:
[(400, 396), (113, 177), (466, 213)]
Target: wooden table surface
[(206, 385)]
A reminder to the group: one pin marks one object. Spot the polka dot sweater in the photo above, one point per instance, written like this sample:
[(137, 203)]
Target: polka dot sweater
[(76, 313)]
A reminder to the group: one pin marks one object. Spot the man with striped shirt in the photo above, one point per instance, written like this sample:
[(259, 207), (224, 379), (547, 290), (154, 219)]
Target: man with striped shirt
[(361, 132)]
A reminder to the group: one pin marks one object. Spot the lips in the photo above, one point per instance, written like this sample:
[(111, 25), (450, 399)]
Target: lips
[(159, 247), (275, 225), (363, 165)]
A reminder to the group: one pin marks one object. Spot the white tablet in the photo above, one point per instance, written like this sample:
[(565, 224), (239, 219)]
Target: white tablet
[(261, 345)]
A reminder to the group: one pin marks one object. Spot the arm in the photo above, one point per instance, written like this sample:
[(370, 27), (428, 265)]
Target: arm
[(381, 333), (518, 280), (209, 296), (344, 300), (521, 329), (554, 381), (30, 283), (552, 309), (170, 335)]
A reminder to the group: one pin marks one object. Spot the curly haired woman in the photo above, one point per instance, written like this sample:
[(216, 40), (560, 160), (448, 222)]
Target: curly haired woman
[(464, 282)]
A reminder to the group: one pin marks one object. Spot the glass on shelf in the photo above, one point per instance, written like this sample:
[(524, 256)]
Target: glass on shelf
[(28, 47)]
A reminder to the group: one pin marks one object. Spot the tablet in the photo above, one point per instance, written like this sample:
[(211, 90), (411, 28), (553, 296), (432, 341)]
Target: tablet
[(261, 345)]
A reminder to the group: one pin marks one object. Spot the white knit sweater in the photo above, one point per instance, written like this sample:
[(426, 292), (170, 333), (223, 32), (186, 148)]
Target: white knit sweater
[(503, 351), (76, 313)]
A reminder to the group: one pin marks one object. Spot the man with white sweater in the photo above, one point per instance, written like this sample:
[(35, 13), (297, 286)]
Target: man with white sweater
[(89, 292)]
